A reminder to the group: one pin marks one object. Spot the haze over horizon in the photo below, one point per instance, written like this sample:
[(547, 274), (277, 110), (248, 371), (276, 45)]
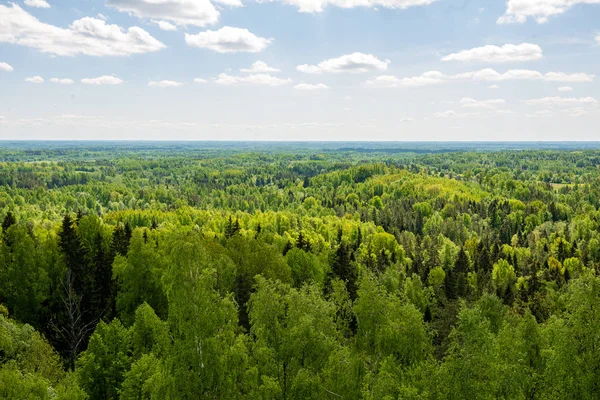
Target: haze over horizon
[(311, 70)]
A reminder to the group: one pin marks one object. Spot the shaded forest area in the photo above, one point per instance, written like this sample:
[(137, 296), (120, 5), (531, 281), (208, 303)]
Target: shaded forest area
[(166, 273)]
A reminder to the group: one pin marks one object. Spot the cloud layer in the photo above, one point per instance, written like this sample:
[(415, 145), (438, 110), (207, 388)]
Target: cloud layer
[(37, 3), (561, 101), (317, 6), (505, 53), (518, 11), (472, 103), (259, 67), (62, 81), (180, 12), (89, 36), (35, 79), (6, 67), (102, 80), (165, 83), (311, 86), (487, 74), (255, 79), (228, 40), (355, 62)]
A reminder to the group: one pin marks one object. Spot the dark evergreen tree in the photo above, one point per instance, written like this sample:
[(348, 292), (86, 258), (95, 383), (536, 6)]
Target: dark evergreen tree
[(8, 221)]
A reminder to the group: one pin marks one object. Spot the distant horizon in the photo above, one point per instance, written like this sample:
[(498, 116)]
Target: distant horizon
[(285, 141)]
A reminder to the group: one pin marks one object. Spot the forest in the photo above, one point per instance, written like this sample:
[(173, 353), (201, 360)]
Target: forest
[(174, 271)]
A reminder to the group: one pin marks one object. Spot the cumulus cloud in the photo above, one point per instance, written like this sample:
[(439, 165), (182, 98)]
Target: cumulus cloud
[(598, 39), (90, 36), (164, 25), (499, 54), (35, 79), (517, 11), (317, 6), (254, 79), (179, 12), (565, 89), (311, 86), (6, 67), (472, 103), (63, 81), (228, 40), (487, 74), (199, 80), (165, 83), (561, 101), (494, 86), (102, 80), (355, 62), (37, 3), (259, 67)]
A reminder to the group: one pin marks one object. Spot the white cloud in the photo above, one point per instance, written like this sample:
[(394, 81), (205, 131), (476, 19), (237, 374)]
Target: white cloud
[(561, 101), (102, 80), (562, 77), (35, 79), (425, 79), (505, 53), (310, 86), (255, 79), (598, 39), (259, 67), (228, 40), (102, 17), (316, 6), (37, 3), (494, 87), (164, 25), (180, 12), (63, 81), (519, 10), (355, 62), (565, 89), (6, 67), (487, 74), (90, 36), (454, 114), (199, 80), (472, 103), (165, 83)]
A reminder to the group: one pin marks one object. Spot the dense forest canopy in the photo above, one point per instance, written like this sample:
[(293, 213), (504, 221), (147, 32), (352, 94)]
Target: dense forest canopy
[(287, 271)]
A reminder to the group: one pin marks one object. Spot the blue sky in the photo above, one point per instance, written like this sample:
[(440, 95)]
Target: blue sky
[(300, 69)]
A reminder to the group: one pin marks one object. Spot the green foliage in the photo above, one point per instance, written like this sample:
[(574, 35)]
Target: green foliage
[(102, 367), (189, 272)]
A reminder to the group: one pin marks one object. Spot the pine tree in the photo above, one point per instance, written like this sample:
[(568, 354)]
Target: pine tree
[(461, 269), (343, 268), (288, 246), (303, 243), (9, 220)]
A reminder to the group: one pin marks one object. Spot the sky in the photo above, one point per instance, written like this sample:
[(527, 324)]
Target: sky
[(388, 70)]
